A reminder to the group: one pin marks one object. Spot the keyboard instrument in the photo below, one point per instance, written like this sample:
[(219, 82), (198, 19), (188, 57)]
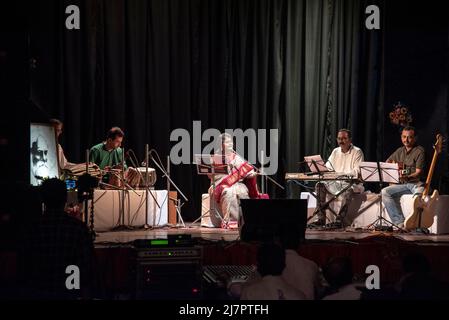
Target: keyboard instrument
[(331, 176), (215, 274)]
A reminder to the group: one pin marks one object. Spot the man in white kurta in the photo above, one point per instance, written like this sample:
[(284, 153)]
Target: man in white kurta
[(271, 285), (299, 273), (345, 161)]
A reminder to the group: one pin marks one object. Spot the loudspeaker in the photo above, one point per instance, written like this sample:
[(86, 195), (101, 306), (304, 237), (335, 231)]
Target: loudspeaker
[(169, 273), (266, 219)]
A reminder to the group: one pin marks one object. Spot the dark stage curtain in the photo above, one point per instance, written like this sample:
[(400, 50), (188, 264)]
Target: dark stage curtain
[(417, 74), (306, 68)]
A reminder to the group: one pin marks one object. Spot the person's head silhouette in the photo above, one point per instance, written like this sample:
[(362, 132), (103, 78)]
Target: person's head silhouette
[(54, 195), (270, 259)]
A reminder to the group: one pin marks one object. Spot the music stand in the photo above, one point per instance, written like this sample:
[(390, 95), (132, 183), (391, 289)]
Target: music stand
[(207, 164), (316, 165), (381, 172)]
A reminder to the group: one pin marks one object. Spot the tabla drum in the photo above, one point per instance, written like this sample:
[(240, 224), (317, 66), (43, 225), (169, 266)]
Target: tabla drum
[(132, 177), (151, 178), (115, 179)]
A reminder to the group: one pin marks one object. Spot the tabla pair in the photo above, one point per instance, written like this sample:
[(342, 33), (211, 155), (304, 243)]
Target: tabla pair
[(134, 177)]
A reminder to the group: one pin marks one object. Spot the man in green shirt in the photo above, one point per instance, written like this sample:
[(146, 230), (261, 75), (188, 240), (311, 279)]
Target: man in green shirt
[(412, 157), (108, 154)]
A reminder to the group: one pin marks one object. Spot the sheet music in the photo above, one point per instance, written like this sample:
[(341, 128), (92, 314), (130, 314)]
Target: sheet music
[(205, 162), (369, 172), (310, 160)]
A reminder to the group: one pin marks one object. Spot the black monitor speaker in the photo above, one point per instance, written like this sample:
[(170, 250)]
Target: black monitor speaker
[(266, 219)]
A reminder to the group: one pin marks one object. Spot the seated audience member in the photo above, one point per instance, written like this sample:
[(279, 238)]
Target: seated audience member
[(418, 282), (55, 242), (299, 272), (338, 273), (17, 215), (270, 264), (17, 218)]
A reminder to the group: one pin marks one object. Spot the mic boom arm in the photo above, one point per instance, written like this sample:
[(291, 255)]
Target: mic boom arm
[(259, 172)]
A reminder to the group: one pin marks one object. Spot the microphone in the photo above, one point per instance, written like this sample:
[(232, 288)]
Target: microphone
[(150, 157)]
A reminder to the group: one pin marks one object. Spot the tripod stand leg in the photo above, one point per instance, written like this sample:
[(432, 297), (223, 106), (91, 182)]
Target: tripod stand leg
[(121, 226), (321, 209), (215, 213), (178, 212), (205, 212), (217, 219), (377, 224)]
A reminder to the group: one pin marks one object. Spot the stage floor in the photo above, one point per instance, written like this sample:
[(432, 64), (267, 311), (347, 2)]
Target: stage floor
[(217, 234)]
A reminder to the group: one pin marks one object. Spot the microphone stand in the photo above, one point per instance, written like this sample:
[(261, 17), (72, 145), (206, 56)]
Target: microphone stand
[(170, 181), (86, 198), (123, 180), (146, 225), (262, 161), (121, 176), (212, 207), (147, 188), (261, 173), (88, 194), (122, 225)]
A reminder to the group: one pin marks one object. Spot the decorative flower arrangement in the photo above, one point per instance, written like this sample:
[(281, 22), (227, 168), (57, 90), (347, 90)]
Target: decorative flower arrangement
[(401, 115)]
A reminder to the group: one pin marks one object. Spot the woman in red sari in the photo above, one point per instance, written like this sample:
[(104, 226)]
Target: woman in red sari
[(240, 182)]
